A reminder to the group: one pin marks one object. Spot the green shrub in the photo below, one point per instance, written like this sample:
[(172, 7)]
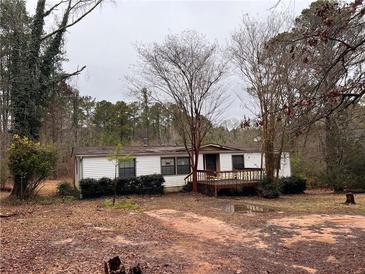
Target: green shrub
[(105, 186), (148, 184), (65, 189), (30, 163), (292, 185), (89, 188), (268, 189), (126, 186), (151, 184)]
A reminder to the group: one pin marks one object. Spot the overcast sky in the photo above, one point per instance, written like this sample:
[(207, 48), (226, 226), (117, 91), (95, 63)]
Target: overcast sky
[(104, 40)]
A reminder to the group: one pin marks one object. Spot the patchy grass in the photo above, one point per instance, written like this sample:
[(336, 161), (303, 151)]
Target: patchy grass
[(121, 204), (312, 203), (7, 200)]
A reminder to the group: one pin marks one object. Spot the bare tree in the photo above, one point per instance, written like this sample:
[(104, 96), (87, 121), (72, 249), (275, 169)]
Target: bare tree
[(330, 37), (187, 70), (268, 72)]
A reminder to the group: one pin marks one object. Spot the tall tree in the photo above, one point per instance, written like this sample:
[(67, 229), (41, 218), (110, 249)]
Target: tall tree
[(145, 94), (13, 30), (36, 57), (186, 68), (268, 72), (112, 122), (330, 38)]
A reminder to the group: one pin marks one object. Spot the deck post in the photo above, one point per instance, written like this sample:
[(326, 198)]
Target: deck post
[(215, 191)]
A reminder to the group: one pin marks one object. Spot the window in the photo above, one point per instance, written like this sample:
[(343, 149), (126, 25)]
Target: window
[(238, 162), (127, 168), (168, 166), (175, 165), (183, 165)]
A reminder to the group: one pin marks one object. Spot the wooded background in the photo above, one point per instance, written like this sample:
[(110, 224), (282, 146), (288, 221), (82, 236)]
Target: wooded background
[(306, 76)]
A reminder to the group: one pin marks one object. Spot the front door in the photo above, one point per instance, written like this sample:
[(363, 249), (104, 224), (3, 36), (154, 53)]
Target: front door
[(211, 162)]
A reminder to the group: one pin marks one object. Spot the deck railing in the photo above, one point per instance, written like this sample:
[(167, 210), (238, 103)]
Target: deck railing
[(211, 177)]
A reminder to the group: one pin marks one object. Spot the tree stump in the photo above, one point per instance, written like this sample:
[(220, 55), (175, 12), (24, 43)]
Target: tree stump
[(350, 198), (114, 266), (135, 270)]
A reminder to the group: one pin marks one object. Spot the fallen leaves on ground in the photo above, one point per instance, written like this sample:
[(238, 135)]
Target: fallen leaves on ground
[(179, 233)]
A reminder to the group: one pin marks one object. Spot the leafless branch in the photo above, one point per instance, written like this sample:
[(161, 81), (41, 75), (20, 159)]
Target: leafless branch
[(84, 14)]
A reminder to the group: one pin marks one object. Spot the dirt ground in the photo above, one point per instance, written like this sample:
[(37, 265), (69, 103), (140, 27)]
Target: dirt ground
[(186, 233)]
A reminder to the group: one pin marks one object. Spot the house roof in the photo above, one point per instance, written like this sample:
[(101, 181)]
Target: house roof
[(158, 150)]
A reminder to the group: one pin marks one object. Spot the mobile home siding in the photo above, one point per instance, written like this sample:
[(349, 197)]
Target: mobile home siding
[(252, 160), (225, 161), (97, 167), (285, 169), (200, 162), (146, 165)]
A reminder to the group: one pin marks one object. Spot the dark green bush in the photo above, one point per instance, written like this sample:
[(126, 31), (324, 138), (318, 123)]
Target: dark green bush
[(148, 184), (126, 186), (106, 186), (65, 189), (151, 184), (268, 189), (89, 188), (292, 185)]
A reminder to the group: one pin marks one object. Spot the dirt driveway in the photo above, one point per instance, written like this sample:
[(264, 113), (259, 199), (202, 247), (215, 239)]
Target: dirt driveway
[(180, 234)]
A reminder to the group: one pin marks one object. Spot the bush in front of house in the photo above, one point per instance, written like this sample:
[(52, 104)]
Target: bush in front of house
[(89, 188), (292, 185), (268, 189), (66, 189), (151, 184), (126, 186), (106, 186), (148, 184)]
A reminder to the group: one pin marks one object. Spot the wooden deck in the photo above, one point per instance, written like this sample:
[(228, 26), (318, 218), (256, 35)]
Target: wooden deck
[(211, 182)]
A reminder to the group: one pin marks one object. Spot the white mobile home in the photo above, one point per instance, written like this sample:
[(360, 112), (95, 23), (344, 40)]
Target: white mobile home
[(170, 161)]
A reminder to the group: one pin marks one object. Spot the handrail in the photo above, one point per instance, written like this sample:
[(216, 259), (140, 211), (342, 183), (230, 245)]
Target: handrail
[(191, 173), (247, 174)]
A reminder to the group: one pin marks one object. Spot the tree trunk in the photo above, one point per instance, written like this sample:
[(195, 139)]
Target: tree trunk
[(195, 169), (269, 159), (115, 185), (19, 188), (330, 145), (333, 152), (195, 180)]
